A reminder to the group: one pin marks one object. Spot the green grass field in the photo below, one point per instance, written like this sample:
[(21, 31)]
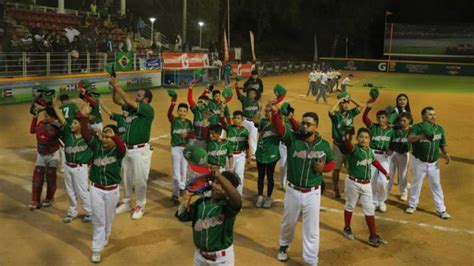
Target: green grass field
[(420, 82)]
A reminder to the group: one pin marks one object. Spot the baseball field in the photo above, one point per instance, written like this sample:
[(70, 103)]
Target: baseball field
[(41, 238)]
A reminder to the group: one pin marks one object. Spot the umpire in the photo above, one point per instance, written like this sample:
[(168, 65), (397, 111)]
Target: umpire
[(254, 82)]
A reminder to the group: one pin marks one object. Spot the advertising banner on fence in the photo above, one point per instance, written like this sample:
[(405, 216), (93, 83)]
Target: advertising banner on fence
[(242, 69), (150, 64), (185, 60)]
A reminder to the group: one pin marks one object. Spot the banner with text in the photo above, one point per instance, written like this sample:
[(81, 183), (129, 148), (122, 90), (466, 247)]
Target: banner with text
[(185, 60), (243, 70)]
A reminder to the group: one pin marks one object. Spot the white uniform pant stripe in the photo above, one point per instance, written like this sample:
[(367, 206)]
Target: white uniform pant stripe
[(180, 167), (103, 213), (419, 171), (253, 134), (309, 204), (283, 162), (399, 164), (76, 181), (379, 181), (239, 169), (136, 164)]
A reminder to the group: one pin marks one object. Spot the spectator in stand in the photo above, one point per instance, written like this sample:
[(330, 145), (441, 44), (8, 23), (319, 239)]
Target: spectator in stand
[(26, 42), (128, 44), (110, 44), (140, 25), (93, 7), (71, 33)]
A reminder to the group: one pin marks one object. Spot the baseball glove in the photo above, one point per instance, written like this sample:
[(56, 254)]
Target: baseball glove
[(198, 185)]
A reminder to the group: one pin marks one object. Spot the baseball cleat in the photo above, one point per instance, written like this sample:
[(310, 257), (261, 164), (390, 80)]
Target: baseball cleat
[(259, 202), (382, 207), (410, 210), (69, 218), (282, 253), (47, 203), (96, 258), (267, 203), (376, 241), (138, 212), (348, 233), (443, 215), (123, 207), (87, 219)]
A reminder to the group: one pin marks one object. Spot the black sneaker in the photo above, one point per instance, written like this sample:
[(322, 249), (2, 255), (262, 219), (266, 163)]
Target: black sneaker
[(282, 254), (376, 241), (348, 233)]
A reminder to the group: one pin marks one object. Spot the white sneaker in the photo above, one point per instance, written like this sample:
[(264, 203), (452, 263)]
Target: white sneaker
[(443, 215), (123, 207), (382, 207), (410, 210), (404, 197), (96, 257), (138, 212), (282, 253), (267, 203), (259, 202)]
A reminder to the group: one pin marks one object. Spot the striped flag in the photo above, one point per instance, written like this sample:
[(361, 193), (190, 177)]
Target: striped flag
[(226, 48), (7, 93)]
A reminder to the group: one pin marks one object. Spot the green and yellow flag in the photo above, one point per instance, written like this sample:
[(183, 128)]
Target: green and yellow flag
[(124, 61)]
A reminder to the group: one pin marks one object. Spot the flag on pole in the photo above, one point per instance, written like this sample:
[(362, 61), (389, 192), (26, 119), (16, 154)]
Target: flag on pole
[(226, 48), (7, 93), (124, 61), (388, 13), (252, 45), (315, 48)]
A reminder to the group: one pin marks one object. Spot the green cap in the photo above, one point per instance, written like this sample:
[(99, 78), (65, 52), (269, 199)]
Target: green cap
[(109, 68), (374, 92), (284, 108), (344, 95), (198, 73), (197, 158), (279, 90), (84, 83), (389, 109), (48, 94), (227, 92), (239, 77), (172, 93)]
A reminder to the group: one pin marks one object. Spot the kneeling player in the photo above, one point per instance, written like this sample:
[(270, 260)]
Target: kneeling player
[(360, 158)]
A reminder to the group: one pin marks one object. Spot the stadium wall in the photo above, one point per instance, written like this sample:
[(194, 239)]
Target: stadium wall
[(400, 66)]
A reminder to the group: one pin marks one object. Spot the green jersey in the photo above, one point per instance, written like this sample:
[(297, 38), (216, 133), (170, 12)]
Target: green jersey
[(400, 142), (301, 157), (96, 111), (197, 122), (380, 137), (138, 124), (69, 111), (342, 122), (215, 112), (106, 164), (238, 138), (249, 107), (227, 70), (213, 223), (359, 162), (75, 148), (217, 152), (268, 147), (426, 150), (180, 127), (121, 123)]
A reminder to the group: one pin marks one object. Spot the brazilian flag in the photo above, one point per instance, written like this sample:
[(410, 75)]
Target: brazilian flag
[(124, 61)]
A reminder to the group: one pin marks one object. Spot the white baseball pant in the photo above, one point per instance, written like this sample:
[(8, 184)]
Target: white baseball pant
[(180, 167), (309, 204), (76, 181), (50, 160), (136, 165), (353, 191), (253, 135), (227, 260), (283, 162), (103, 214), (399, 163), (419, 170), (239, 169), (379, 181)]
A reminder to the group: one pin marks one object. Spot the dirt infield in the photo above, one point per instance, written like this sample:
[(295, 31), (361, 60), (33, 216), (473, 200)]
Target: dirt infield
[(40, 237)]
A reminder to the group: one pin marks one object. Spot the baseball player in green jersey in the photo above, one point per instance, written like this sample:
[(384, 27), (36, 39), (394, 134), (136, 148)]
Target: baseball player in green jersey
[(76, 173), (215, 108), (92, 98), (137, 135), (227, 73), (219, 150), (120, 119), (181, 133), (427, 139), (250, 108), (381, 137), (267, 156), (342, 119), (238, 138), (198, 111), (400, 158), (360, 160), (213, 220), (308, 157), (69, 109), (283, 149), (108, 151)]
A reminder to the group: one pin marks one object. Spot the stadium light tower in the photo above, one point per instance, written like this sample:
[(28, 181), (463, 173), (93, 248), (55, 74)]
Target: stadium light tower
[(201, 24), (152, 20)]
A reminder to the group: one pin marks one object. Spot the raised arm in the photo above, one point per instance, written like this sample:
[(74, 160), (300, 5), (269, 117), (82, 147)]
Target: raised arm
[(170, 110), (116, 85), (34, 122), (83, 118), (87, 97), (358, 104), (348, 142), (379, 167), (365, 116), (335, 108), (237, 92), (116, 98), (105, 108), (58, 112), (278, 123), (294, 123), (279, 98), (191, 102), (235, 200), (119, 144)]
